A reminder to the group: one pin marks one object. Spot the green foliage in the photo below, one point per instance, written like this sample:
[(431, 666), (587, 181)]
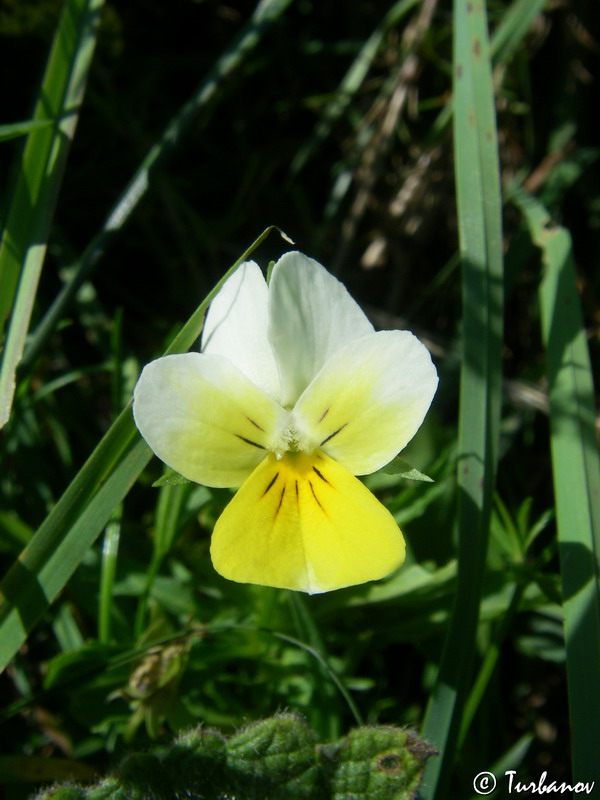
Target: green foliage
[(170, 478), (24, 238), (85, 508), (576, 471), (398, 466), (21, 128), (480, 234), (277, 758)]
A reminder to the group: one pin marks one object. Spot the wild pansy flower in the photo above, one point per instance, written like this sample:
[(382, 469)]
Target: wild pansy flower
[(292, 396)]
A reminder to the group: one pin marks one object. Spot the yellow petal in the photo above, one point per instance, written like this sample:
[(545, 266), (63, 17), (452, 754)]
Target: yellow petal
[(368, 401), (305, 523)]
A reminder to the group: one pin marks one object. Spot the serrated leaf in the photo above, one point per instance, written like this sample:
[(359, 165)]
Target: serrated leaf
[(381, 763), (275, 758), (398, 466), (278, 758)]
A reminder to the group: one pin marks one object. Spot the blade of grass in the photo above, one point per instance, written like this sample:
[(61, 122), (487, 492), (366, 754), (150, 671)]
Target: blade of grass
[(327, 668), (324, 716), (57, 548), (110, 552), (576, 475), (25, 236), (265, 13), (513, 28), (505, 39), (479, 212), (115, 661), (489, 662), (66, 630), (15, 129), (170, 504), (350, 84)]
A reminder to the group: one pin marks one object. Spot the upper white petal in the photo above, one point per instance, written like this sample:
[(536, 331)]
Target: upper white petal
[(311, 316), (204, 418), (236, 328), (368, 401)]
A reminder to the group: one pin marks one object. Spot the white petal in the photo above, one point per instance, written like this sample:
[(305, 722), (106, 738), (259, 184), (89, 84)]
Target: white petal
[(204, 418), (236, 327), (311, 315), (368, 401)]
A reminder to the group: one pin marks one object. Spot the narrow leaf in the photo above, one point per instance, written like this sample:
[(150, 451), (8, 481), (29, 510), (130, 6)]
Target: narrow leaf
[(479, 215), (264, 15), (576, 474), (398, 466), (15, 129), (25, 236), (171, 478)]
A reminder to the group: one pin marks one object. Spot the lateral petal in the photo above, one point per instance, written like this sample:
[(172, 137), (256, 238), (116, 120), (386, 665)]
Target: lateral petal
[(368, 401), (236, 328), (204, 418), (304, 522), (311, 315)]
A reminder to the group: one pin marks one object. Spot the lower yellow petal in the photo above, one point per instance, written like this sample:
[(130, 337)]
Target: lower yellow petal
[(304, 522)]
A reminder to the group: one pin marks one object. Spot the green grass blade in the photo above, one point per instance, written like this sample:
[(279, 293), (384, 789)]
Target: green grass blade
[(23, 245), (265, 13), (489, 663), (15, 129), (505, 39), (57, 548), (512, 29), (479, 212), (170, 504), (576, 474), (110, 553), (324, 714), (350, 84)]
